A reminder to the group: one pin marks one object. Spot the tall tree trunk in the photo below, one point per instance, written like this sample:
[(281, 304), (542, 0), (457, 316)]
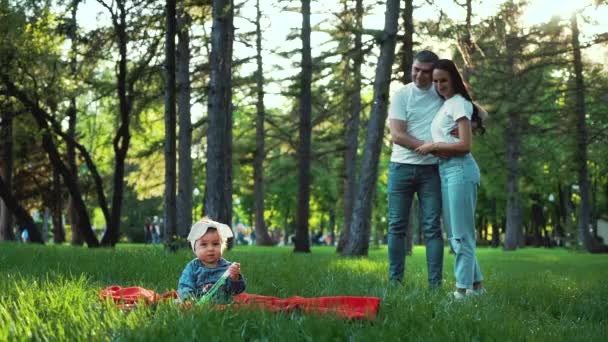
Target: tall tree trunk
[(407, 48), (84, 223), (407, 59), (565, 212), (302, 242), (58, 230), (184, 188), (514, 219), (6, 171), (218, 194), (46, 214), (352, 129), (513, 139), (23, 218), (123, 136), (358, 244), (332, 227), (170, 123), (585, 237), (77, 238), (261, 232), (49, 146), (466, 44), (495, 224)]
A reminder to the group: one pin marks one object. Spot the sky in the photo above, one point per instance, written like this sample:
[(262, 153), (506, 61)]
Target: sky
[(278, 23)]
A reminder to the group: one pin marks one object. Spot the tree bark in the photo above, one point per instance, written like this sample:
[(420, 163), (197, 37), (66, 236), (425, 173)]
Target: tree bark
[(261, 232), (123, 136), (585, 237), (302, 241), (184, 188), (218, 191), (6, 172), (407, 48), (513, 139), (23, 218), (358, 244), (58, 230), (565, 212), (352, 130), (466, 44), (170, 123), (513, 197), (77, 238), (49, 146)]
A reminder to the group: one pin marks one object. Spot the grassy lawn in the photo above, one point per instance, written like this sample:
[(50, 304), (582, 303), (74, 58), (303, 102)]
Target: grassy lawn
[(51, 293)]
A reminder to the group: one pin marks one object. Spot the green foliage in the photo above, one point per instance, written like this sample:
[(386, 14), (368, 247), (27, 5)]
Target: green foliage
[(51, 293), (36, 54)]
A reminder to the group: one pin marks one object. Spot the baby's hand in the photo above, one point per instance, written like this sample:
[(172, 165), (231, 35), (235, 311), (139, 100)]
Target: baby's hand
[(235, 271)]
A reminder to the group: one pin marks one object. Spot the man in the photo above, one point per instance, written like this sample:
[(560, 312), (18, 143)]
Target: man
[(411, 111)]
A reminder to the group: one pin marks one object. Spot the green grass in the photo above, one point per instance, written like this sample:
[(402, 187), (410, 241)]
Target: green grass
[(51, 293)]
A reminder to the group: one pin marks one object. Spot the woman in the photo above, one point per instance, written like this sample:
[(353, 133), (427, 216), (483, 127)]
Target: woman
[(459, 173)]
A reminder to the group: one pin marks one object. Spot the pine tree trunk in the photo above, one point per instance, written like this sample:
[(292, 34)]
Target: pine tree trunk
[(302, 242), (352, 130), (261, 232), (77, 238), (84, 226), (514, 221), (218, 194), (58, 230), (565, 212), (332, 227), (466, 44), (184, 190), (6, 172), (407, 59), (358, 244), (407, 48), (23, 218), (170, 124), (585, 237), (123, 136), (513, 141)]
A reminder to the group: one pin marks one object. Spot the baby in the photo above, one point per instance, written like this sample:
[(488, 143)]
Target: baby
[(208, 240)]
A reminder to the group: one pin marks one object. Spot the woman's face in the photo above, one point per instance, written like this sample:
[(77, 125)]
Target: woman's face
[(443, 83)]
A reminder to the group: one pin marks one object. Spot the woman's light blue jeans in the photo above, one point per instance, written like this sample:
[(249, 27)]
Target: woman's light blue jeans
[(459, 181)]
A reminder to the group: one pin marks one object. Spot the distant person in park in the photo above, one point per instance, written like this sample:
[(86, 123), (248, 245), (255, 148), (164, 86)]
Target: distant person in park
[(155, 233), (411, 112), (148, 230), (458, 171), (25, 235), (252, 236), (208, 240)]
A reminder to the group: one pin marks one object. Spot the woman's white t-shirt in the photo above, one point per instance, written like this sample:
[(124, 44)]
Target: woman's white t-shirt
[(444, 122)]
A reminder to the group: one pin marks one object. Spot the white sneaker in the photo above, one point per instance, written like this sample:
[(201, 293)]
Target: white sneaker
[(480, 291), (460, 296)]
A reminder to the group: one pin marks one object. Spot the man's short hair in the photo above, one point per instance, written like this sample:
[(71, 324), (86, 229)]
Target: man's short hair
[(426, 56)]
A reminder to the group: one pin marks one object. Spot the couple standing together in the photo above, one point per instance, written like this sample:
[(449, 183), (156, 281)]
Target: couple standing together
[(428, 161)]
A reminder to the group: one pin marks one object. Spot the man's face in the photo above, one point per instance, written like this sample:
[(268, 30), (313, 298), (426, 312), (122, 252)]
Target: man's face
[(422, 74)]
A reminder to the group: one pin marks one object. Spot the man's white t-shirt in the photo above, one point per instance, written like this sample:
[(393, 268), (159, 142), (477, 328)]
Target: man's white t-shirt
[(444, 122), (417, 107)]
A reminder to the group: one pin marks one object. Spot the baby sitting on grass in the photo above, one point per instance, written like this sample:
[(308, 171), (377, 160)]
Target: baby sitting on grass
[(208, 240)]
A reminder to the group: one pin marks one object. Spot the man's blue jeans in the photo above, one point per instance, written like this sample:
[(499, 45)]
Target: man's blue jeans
[(405, 180)]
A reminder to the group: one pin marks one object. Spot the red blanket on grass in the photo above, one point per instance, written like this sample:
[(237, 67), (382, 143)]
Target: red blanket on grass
[(351, 307)]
